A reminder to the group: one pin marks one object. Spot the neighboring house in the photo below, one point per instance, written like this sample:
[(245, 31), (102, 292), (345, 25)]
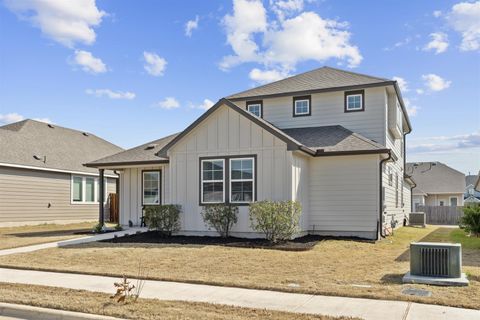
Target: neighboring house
[(42, 177), (471, 195), (437, 184), (331, 139)]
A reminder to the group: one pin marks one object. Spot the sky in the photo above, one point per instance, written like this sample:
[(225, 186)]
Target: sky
[(134, 71)]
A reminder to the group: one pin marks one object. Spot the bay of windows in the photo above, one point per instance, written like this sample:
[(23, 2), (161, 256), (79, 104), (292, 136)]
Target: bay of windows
[(86, 189)]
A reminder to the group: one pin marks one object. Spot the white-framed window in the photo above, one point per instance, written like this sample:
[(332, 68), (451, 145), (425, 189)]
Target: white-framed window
[(255, 108), (453, 201), (354, 102), (301, 106), (242, 186), (212, 181), (151, 187), (85, 189)]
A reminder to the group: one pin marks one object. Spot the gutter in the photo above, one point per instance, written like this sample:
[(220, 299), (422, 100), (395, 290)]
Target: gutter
[(380, 233)]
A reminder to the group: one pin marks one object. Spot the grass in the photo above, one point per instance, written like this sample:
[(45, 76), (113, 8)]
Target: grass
[(332, 267), (100, 303), (13, 237)]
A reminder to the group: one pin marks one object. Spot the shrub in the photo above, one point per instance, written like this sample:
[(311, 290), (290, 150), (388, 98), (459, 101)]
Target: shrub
[(220, 217), (163, 218), (278, 220), (471, 219), (98, 228)]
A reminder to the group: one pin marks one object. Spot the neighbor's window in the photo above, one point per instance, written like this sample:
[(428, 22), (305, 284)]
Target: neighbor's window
[(77, 192), (151, 187), (89, 189), (442, 203), (212, 184), (301, 106), (255, 107), (453, 201), (241, 180), (354, 101)]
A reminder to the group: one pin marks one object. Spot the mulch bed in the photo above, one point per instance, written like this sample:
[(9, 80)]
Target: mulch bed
[(299, 244)]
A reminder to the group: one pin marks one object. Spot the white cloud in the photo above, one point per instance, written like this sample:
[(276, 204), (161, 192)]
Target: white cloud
[(67, 22), (88, 62), (439, 42), (285, 8), (46, 120), (190, 26), (126, 95), (437, 13), (10, 118), (419, 91), (169, 103), (154, 64), (445, 143), (411, 109), (266, 76), (435, 82), (402, 83), (207, 104), (465, 19), (277, 44)]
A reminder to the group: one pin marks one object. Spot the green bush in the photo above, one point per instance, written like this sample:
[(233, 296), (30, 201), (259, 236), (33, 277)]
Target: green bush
[(471, 219), (220, 217), (163, 218), (278, 220), (98, 228)]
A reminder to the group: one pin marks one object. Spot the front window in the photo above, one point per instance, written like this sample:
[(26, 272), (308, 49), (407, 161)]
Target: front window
[(302, 107), (151, 187), (77, 192), (213, 176), (255, 107), (241, 180), (89, 189)]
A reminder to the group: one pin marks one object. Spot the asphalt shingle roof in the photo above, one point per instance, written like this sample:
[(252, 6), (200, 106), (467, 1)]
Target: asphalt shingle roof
[(436, 177), (332, 139), (55, 147), (318, 79)]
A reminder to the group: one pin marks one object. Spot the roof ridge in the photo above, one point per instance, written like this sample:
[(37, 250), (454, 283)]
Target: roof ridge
[(358, 74)]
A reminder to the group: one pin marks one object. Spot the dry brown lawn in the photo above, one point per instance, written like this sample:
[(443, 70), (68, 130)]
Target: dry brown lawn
[(332, 267), (100, 303), (13, 237)]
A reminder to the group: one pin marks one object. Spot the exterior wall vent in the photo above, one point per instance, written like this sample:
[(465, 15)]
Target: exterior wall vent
[(436, 259), (417, 219)]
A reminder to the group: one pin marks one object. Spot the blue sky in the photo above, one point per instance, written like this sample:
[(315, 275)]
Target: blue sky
[(134, 71)]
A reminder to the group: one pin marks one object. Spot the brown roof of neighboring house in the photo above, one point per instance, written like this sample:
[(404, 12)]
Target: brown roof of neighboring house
[(436, 177), (45, 146)]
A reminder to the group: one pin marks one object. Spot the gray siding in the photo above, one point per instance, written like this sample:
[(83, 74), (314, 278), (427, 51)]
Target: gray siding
[(25, 195)]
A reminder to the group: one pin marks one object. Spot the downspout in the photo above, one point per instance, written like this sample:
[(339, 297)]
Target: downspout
[(405, 166), (380, 207)]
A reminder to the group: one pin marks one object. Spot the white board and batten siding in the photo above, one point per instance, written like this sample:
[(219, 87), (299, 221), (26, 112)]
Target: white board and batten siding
[(227, 133), (25, 196), (131, 197), (300, 186), (344, 195)]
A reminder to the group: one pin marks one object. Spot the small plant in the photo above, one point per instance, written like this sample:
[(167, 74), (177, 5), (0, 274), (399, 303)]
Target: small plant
[(118, 227), (163, 218), (123, 291), (98, 228), (278, 220), (220, 217), (471, 219)]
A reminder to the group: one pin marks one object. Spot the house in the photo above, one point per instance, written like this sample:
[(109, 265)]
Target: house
[(331, 139), (437, 184), (42, 177), (471, 195)]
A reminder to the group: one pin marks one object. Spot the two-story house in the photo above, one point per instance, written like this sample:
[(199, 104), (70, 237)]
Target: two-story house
[(331, 139)]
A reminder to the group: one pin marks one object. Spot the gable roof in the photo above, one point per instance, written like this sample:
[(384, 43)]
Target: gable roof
[(143, 154), (323, 79), (37, 144), (436, 177), (471, 180)]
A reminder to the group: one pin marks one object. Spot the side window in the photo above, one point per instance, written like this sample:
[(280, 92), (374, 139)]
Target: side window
[(212, 181), (255, 107), (302, 106), (151, 187), (77, 186), (241, 180), (354, 101)]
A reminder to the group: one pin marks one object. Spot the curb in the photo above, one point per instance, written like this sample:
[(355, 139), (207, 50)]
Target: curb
[(37, 313)]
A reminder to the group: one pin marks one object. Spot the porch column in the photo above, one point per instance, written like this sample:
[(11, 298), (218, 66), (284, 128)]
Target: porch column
[(101, 199)]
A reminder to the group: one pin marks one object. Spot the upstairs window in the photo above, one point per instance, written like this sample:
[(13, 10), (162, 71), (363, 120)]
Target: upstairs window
[(301, 106), (213, 178), (354, 101), (151, 187), (255, 107)]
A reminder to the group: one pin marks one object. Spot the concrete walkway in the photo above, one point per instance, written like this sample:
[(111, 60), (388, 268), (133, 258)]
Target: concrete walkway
[(63, 243), (369, 309)]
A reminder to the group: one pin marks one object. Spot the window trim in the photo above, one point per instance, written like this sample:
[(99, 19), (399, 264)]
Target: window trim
[(231, 181), (159, 187), (256, 102), (96, 188), (302, 98), (202, 181), (361, 93), (226, 184)]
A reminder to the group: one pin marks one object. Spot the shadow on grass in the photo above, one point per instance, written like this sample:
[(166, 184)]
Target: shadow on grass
[(470, 257), (53, 233), (392, 278)]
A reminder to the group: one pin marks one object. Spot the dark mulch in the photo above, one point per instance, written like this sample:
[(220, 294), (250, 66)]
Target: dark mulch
[(299, 244)]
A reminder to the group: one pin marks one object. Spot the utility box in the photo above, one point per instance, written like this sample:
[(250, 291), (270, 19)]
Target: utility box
[(417, 219), (431, 259)]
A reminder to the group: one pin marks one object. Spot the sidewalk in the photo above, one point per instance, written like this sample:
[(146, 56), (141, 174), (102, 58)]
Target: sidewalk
[(368, 309), (62, 243)]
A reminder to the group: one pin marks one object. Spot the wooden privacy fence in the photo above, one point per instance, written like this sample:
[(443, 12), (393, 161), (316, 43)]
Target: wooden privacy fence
[(441, 214)]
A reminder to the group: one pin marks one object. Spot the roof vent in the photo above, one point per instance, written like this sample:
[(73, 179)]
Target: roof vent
[(50, 125), (151, 146), (44, 158), (85, 134), (37, 157)]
